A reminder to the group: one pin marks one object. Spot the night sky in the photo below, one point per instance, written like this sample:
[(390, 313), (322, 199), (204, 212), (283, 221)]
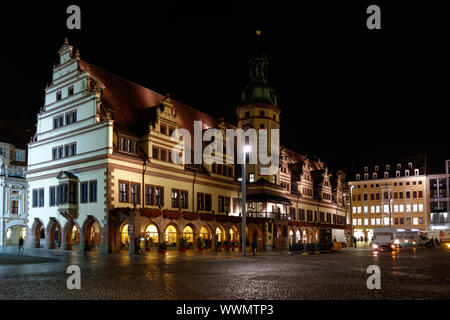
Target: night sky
[(346, 92)]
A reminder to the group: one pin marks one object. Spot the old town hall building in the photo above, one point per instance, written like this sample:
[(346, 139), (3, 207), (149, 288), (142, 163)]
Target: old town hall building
[(99, 170)]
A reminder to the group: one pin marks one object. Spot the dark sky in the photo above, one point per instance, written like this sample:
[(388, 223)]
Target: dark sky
[(346, 92)]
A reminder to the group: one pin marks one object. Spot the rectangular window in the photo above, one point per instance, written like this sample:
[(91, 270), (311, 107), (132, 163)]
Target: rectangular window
[(159, 196), (402, 220), (52, 196), (386, 208), (408, 195), (251, 177), (175, 198), (149, 195), (93, 191), (84, 192), (72, 192), (420, 207), (55, 153), (70, 91), (184, 199), (378, 209), (67, 150), (58, 95), (163, 129), (14, 206), (155, 153), (73, 150), (74, 116), (208, 205), (60, 152), (221, 204), (55, 123), (61, 121), (41, 197), (200, 201), (123, 191), (163, 155), (68, 118), (402, 208), (408, 208), (135, 194)]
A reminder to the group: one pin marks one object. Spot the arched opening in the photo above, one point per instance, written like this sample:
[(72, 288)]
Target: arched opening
[(124, 237), (54, 234), (72, 236), (91, 231), (171, 237), (205, 235), (188, 235), (234, 238), (291, 238), (151, 236), (298, 237), (220, 234), (305, 237), (13, 235)]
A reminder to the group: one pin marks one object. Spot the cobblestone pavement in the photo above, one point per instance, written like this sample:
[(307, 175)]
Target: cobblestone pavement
[(406, 274)]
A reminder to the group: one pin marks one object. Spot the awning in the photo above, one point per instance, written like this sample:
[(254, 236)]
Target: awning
[(264, 197)]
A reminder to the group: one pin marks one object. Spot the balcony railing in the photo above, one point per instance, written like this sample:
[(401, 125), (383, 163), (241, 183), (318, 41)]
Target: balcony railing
[(269, 215), (12, 172)]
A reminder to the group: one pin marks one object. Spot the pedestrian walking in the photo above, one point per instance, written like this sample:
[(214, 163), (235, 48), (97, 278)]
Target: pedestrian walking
[(254, 246), (21, 244)]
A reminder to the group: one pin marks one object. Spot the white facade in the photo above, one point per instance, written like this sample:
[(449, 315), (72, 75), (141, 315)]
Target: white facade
[(13, 194), (70, 148)]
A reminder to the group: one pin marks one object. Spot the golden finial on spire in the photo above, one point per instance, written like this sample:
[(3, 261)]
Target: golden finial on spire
[(77, 54)]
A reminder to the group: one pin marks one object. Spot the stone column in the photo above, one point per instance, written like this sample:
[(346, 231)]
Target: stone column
[(104, 239)]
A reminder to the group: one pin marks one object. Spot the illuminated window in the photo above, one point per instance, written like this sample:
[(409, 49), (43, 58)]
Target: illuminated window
[(401, 207), (420, 207), (386, 221), (414, 207), (386, 174), (416, 221), (359, 209), (366, 209), (408, 208), (372, 221), (378, 221), (396, 208), (372, 209), (151, 233), (354, 209), (366, 222), (386, 208), (378, 209)]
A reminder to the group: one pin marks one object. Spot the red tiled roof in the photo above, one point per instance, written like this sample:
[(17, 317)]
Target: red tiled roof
[(131, 102)]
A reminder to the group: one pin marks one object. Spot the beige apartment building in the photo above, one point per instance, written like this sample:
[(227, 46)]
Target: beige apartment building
[(389, 193)]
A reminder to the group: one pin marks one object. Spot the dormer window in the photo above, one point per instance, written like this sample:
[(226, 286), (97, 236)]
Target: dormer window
[(358, 177), (410, 165), (388, 167), (399, 166), (386, 175), (366, 169), (366, 176), (376, 168), (407, 173), (416, 172), (375, 175), (397, 173), (127, 145)]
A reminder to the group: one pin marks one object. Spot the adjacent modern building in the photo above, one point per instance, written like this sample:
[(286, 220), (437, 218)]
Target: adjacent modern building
[(13, 192), (389, 193), (439, 196), (100, 170)]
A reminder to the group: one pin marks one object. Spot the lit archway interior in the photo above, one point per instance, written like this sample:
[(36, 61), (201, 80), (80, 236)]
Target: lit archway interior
[(204, 233), (298, 236), (220, 236), (124, 237), (171, 235), (75, 236), (188, 234), (151, 233), (94, 235)]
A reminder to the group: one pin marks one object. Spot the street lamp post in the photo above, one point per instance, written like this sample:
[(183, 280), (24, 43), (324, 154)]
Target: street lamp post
[(351, 210), (390, 213), (244, 191)]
